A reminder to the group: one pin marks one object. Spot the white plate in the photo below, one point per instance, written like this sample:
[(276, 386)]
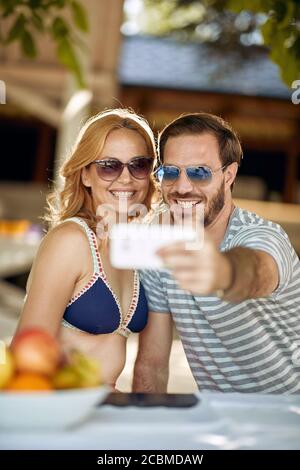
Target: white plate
[(57, 409)]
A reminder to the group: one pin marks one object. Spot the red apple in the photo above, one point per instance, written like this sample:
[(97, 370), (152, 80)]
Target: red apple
[(35, 350)]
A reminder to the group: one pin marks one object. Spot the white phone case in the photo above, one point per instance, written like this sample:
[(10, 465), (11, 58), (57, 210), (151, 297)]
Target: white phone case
[(134, 246)]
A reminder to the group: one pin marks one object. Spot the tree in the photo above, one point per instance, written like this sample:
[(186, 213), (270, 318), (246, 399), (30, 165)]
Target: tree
[(23, 21), (233, 24)]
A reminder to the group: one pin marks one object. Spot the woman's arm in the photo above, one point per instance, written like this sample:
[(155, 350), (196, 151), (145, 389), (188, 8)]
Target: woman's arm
[(59, 263)]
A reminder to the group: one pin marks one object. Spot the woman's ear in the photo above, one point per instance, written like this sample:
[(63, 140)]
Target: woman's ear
[(230, 174), (85, 177)]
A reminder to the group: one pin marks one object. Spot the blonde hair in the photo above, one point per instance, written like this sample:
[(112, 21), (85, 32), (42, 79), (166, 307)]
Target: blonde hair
[(74, 199)]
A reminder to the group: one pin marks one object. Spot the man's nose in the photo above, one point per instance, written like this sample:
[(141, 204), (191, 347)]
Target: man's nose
[(183, 185)]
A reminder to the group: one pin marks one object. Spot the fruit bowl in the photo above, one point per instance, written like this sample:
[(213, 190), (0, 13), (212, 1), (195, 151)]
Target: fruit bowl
[(49, 410)]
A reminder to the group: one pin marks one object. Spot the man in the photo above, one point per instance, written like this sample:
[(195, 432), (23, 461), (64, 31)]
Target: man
[(236, 301)]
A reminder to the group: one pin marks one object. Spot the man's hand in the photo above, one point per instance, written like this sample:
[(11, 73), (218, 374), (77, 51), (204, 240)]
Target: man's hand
[(201, 270), (238, 274)]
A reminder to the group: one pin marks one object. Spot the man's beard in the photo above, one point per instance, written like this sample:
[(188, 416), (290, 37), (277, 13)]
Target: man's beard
[(211, 209), (215, 205)]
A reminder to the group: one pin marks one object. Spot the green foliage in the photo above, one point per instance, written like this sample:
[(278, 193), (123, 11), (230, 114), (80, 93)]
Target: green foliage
[(79, 16), (223, 22), (30, 18), (67, 57), (17, 28), (281, 32), (28, 45)]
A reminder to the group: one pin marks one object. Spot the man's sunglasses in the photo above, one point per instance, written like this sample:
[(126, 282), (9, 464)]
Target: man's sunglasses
[(111, 168), (168, 174)]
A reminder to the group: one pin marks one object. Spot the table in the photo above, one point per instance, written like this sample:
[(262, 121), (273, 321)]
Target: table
[(218, 421)]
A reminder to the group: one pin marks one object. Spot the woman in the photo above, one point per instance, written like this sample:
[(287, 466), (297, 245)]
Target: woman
[(73, 291)]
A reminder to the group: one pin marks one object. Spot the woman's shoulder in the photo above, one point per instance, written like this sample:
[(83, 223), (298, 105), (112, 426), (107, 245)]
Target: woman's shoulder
[(62, 251), (65, 236)]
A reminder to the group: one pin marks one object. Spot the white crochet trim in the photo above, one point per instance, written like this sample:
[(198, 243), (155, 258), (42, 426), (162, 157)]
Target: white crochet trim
[(123, 331), (84, 289), (134, 301), (68, 325), (97, 265)]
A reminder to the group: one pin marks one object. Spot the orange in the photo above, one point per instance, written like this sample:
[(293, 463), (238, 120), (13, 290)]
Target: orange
[(28, 381)]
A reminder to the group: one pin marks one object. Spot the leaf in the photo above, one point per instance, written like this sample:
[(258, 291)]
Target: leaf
[(35, 3), (59, 28), (28, 45), (37, 22), (80, 17), (256, 6), (285, 13), (283, 56), (289, 72), (296, 48), (268, 30), (17, 29), (67, 57), (280, 10), (60, 3), (8, 8)]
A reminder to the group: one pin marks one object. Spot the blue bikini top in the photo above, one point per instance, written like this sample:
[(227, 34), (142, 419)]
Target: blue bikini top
[(96, 309)]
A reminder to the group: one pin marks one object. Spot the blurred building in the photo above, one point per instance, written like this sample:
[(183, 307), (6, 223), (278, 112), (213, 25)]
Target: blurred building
[(162, 78)]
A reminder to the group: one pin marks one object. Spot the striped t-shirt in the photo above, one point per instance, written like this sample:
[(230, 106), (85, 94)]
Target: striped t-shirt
[(253, 346)]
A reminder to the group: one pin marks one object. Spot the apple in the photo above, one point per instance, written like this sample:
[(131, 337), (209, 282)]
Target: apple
[(7, 368), (35, 350)]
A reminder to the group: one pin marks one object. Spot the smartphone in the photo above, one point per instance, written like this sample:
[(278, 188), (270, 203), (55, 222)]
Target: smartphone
[(170, 400), (134, 246)]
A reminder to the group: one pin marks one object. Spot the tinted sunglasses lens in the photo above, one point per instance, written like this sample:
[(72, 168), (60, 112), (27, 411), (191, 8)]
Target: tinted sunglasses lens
[(169, 174), (141, 167), (109, 170), (199, 173)]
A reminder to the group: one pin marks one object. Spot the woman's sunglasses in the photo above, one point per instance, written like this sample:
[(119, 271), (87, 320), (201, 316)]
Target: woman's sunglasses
[(168, 174), (111, 168)]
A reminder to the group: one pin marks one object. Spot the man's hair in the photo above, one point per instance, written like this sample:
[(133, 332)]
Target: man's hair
[(199, 123)]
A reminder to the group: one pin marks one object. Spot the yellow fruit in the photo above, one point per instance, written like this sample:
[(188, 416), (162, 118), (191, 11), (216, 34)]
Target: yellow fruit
[(87, 368), (66, 377), (7, 368)]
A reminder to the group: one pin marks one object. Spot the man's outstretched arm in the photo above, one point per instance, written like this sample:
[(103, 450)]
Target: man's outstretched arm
[(151, 370), (240, 273)]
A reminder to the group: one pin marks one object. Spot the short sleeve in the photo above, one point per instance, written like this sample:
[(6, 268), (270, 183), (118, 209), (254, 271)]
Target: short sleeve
[(273, 240), (155, 292)]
